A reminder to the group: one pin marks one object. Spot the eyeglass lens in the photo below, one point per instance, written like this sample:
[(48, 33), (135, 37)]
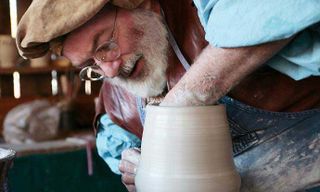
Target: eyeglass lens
[(108, 51)]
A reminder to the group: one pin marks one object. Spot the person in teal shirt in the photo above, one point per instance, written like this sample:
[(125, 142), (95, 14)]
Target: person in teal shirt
[(230, 24), (274, 121)]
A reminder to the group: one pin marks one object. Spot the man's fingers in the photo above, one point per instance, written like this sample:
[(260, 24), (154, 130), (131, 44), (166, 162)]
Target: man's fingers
[(127, 167), (132, 155), (131, 188), (128, 178)]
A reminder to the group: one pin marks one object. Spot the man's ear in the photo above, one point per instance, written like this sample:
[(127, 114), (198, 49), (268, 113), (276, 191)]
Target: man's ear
[(152, 5)]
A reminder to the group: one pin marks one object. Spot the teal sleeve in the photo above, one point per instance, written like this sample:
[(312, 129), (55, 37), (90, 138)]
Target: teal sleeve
[(239, 23), (112, 140), (236, 23), (301, 58)]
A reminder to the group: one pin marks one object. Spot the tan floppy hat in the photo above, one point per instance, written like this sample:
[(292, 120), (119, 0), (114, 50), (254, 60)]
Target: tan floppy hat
[(46, 21)]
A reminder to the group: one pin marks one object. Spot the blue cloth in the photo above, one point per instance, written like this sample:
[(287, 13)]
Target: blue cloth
[(235, 23), (112, 140), (274, 150)]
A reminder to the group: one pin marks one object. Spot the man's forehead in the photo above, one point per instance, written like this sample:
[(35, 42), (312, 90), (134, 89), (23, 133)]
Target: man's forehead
[(80, 43), (57, 44), (79, 46)]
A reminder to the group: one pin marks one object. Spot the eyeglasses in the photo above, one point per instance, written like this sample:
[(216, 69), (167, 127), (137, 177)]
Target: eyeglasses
[(107, 51)]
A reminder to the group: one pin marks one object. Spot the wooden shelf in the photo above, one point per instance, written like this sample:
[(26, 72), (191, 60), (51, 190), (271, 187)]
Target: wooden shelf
[(35, 83), (35, 70)]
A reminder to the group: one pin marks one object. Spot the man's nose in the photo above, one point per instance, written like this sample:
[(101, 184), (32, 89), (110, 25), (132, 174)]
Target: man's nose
[(110, 68)]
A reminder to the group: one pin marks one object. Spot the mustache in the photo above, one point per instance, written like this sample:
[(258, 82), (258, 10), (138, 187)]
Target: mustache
[(129, 64)]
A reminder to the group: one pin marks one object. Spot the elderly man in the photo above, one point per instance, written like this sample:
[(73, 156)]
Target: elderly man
[(266, 59)]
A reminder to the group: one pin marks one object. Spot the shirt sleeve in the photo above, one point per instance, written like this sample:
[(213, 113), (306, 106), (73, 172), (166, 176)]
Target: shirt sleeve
[(236, 23), (112, 140)]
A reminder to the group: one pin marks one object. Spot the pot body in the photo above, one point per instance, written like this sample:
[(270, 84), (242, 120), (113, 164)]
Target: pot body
[(186, 149)]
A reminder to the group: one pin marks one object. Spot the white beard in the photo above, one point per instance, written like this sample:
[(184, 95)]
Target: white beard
[(153, 45)]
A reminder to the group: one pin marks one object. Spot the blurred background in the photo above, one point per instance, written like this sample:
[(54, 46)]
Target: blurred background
[(46, 115)]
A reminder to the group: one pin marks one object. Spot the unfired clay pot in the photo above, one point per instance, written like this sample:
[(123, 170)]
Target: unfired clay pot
[(186, 149)]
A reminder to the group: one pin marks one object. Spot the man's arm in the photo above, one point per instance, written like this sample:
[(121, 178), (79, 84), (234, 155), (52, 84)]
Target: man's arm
[(216, 71), (213, 74)]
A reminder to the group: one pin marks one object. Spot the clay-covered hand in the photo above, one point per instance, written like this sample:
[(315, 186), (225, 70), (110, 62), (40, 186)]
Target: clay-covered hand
[(217, 70), (128, 167)]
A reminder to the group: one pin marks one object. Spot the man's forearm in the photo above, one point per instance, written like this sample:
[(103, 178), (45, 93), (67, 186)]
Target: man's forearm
[(216, 71)]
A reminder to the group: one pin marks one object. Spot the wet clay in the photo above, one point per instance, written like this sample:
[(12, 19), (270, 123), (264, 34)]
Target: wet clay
[(186, 149)]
